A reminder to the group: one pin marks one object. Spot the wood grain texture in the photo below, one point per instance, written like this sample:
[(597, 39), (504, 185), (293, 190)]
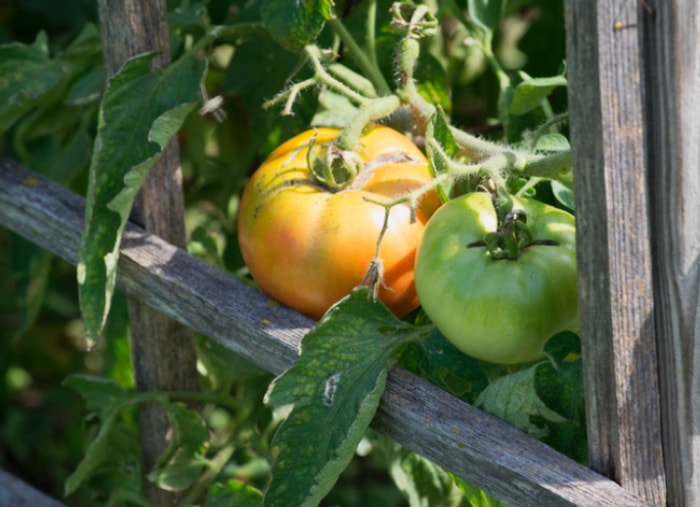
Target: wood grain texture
[(162, 348), (16, 493), (482, 449), (672, 76), (606, 94)]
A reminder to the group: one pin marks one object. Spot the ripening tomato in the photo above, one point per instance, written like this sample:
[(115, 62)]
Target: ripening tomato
[(308, 246), (498, 309)]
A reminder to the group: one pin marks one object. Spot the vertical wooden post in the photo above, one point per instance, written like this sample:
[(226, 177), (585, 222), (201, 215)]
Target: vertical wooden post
[(163, 350), (615, 275), (673, 80)]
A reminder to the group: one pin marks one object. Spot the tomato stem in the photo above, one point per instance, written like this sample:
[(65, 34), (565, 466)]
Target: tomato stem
[(371, 110), (512, 235)]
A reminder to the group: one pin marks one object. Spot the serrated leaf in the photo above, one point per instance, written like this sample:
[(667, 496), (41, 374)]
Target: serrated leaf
[(529, 94), (114, 453), (513, 398), (442, 363), (27, 73), (139, 114), (487, 13), (334, 388), (295, 24), (233, 493), (439, 132), (181, 463), (102, 396)]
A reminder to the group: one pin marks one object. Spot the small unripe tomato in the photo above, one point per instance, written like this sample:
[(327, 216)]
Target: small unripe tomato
[(308, 245)]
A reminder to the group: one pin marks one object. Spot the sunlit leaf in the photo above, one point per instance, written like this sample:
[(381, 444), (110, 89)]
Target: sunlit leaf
[(233, 493), (334, 389), (514, 399), (529, 94), (139, 114)]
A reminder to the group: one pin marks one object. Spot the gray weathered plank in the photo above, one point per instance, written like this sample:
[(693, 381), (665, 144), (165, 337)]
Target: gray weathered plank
[(482, 449), (615, 271), (162, 348), (17, 493), (673, 80)]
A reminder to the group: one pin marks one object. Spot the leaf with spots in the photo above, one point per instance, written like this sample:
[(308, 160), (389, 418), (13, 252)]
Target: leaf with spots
[(139, 114), (334, 389)]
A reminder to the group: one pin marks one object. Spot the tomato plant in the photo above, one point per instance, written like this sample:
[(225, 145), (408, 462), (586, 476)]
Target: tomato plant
[(344, 203), (499, 288), (308, 244)]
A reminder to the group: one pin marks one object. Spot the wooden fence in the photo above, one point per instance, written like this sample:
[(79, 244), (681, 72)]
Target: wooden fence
[(634, 72)]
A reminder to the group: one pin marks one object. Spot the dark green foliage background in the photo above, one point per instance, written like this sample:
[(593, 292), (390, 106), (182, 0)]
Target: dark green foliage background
[(43, 434)]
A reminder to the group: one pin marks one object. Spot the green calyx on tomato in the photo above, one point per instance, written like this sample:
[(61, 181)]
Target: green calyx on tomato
[(334, 168), (497, 275), (308, 245)]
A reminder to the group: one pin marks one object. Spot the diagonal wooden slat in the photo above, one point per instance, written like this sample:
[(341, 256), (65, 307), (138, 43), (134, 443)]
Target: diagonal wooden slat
[(483, 450)]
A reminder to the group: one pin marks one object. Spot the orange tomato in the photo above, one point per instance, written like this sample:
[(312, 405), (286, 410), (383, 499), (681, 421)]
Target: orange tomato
[(308, 246)]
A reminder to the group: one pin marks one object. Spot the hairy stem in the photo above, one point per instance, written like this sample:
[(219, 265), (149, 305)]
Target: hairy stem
[(370, 69)]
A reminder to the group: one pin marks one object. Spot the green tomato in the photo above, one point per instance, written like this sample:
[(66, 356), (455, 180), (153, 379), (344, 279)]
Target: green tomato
[(498, 310)]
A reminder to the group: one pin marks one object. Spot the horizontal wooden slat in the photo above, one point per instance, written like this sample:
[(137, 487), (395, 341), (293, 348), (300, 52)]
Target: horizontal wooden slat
[(16, 493), (482, 449)]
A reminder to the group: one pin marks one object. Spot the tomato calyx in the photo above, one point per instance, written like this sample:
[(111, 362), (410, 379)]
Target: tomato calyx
[(333, 167), (512, 236)]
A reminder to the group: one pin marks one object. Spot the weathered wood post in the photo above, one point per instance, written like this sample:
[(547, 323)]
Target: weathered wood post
[(162, 349), (672, 77), (609, 132)]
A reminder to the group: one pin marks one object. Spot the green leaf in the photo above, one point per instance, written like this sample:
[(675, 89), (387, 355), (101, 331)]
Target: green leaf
[(439, 132), (559, 384), (476, 497), (233, 493), (431, 81), (514, 399), (334, 389), (139, 114), (295, 24), (27, 74), (487, 13), (552, 142), (102, 396), (189, 17), (422, 482), (182, 462), (563, 194), (443, 364), (97, 454), (31, 267), (529, 94)]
